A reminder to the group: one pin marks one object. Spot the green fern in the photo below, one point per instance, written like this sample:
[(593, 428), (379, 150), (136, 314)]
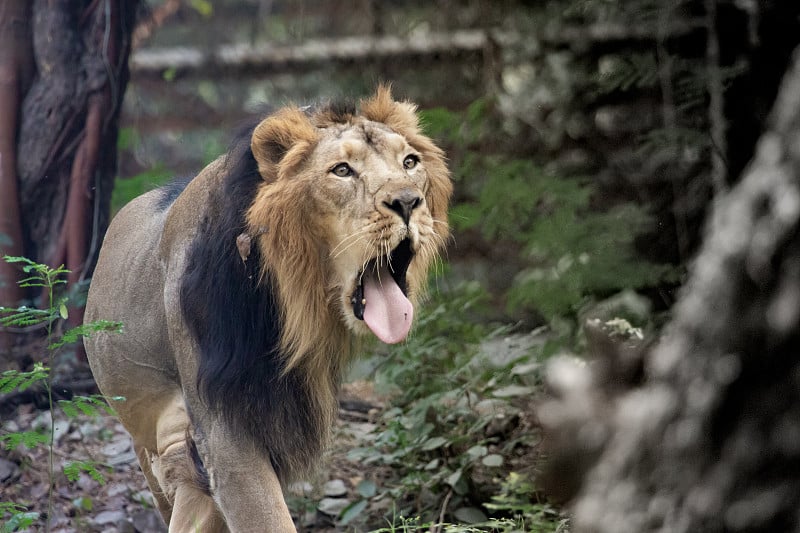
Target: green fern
[(12, 380), (29, 439), (73, 469), (20, 518), (623, 73), (85, 330), (47, 278), (92, 406)]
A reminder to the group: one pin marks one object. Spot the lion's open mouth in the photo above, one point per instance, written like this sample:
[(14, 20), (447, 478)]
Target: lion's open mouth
[(380, 297)]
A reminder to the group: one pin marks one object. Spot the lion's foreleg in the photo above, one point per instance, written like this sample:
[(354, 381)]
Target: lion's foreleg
[(163, 505), (180, 494), (243, 483), (194, 511)]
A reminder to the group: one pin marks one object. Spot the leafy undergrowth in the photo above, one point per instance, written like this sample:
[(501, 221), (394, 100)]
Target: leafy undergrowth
[(449, 443), (455, 448), (97, 487)]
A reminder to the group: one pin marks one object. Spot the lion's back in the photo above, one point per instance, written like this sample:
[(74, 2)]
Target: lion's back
[(127, 286)]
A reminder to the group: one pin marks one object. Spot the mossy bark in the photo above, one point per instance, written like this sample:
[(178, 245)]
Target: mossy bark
[(705, 436)]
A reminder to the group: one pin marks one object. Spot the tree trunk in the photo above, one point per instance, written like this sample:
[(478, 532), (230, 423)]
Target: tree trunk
[(710, 439), (63, 71)]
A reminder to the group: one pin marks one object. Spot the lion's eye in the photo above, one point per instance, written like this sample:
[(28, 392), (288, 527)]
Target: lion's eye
[(343, 170), (410, 162)]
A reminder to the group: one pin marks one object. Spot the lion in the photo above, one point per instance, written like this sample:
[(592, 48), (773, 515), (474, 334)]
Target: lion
[(243, 293)]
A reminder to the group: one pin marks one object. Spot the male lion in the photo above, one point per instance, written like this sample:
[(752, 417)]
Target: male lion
[(241, 295)]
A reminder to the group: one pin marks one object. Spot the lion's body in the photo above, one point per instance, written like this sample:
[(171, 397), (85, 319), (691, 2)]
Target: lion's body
[(240, 295)]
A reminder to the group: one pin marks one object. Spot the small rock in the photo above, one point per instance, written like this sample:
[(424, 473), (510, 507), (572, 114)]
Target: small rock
[(117, 489), (8, 469), (126, 458), (42, 421), (116, 447), (88, 429), (143, 497), (86, 484), (148, 521), (60, 430), (332, 506), (361, 431), (309, 519), (109, 518), (39, 491), (126, 526), (335, 488)]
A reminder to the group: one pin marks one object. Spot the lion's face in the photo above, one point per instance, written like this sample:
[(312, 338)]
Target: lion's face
[(365, 198), (369, 186)]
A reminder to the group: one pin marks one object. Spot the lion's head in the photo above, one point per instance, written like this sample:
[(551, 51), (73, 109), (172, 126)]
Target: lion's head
[(351, 213)]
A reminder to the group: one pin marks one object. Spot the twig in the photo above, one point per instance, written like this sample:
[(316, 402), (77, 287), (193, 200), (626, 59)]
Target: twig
[(716, 113), (437, 527)]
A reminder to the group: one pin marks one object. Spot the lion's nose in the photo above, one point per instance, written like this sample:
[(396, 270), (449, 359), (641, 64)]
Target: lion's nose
[(403, 203)]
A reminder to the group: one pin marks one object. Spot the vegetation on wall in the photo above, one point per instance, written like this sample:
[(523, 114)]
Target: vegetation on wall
[(569, 251)]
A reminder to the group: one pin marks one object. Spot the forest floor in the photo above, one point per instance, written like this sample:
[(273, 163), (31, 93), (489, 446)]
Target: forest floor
[(121, 501), (117, 499)]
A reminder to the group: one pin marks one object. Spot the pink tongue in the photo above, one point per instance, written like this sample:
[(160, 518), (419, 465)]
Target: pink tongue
[(388, 312)]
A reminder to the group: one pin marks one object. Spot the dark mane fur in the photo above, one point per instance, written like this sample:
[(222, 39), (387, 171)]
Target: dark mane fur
[(171, 191), (234, 318)]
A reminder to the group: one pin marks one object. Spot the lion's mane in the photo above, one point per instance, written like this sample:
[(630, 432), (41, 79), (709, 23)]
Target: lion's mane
[(271, 349)]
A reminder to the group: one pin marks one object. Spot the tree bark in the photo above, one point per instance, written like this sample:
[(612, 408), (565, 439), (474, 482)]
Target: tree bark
[(16, 71), (710, 440), (62, 160)]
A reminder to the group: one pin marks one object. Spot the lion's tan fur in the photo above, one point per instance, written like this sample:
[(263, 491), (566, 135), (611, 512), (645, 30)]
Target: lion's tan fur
[(314, 232)]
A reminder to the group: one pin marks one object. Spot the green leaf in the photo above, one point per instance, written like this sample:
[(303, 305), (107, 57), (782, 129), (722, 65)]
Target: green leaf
[(366, 488), (453, 478), (69, 408), (19, 521), (204, 7), (84, 503), (352, 511), (62, 310), (86, 330), (523, 369), (513, 391), (433, 443), (477, 451), (433, 464), (470, 515), (29, 439), (169, 74), (72, 471), (493, 460)]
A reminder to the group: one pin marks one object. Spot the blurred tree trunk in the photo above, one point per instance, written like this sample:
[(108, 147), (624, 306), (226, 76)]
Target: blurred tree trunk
[(709, 440), (63, 72)]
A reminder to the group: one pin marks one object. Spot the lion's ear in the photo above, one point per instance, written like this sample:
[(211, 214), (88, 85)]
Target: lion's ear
[(381, 107), (281, 142)]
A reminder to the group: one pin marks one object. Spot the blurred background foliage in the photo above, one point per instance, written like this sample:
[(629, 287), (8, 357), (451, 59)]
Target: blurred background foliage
[(577, 131)]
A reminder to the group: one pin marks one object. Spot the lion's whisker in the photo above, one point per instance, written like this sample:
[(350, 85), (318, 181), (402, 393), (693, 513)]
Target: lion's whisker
[(350, 245), (344, 240)]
